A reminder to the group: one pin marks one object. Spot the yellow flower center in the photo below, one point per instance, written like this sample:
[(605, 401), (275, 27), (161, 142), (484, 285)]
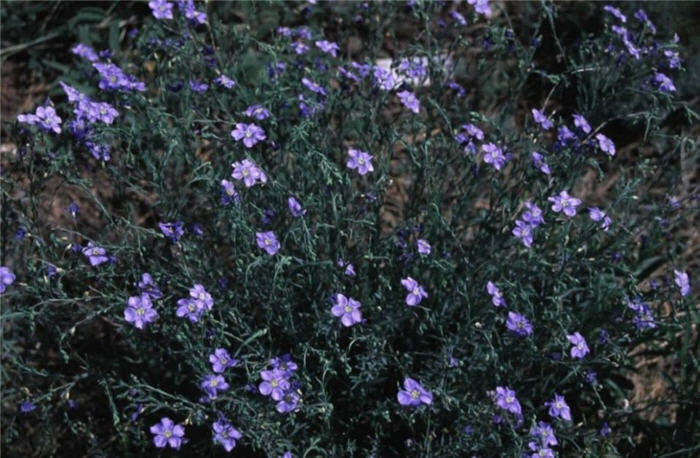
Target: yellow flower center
[(167, 434), (214, 382), (140, 311), (415, 394), (348, 309)]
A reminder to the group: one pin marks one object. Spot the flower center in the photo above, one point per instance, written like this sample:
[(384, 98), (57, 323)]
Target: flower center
[(348, 309), (557, 405), (214, 382), (509, 399), (95, 252), (274, 383), (415, 394), (360, 161), (167, 434), (191, 307), (140, 311), (416, 292), (244, 173), (223, 361), (267, 242)]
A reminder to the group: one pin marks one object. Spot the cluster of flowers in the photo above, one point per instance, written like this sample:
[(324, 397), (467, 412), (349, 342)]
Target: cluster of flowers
[(520, 325), (213, 383), (635, 47), (506, 399), (193, 306), (279, 384), (87, 112), (139, 310), (167, 433), (162, 9)]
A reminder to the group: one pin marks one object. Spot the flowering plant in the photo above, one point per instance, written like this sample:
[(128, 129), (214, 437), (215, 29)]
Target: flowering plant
[(274, 244)]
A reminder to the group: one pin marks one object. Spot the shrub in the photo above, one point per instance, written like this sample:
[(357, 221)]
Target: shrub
[(271, 243)]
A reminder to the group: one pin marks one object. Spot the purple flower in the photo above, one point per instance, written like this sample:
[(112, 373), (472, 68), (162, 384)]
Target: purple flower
[(523, 231), (112, 77), (597, 214), (505, 399), (225, 81), (249, 172), (413, 394), (481, 6), (212, 384), (360, 160), (45, 117), (580, 348), (457, 87), (299, 47), (285, 363), (413, 68), (85, 51), (167, 433), (544, 433), (139, 311), (664, 83), (198, 86), (189, 308), (564, 202), (95, 254), (161, 9), (347, 309), (605, 430), (558, 408), (410, 101), (606, 145), (228, 193), (287, 454), (268, 242), (674, 59), (191, 13), (533, 215), (221, 360), (6, 278), (384, 79), (27, 406), (313, 87), (328, 47), (493, 155), (582, 124), (148, 286), (258, 112), (203, 298), (288, 402), (615, 12), (225, 434), (274, 384), (172, 230), (458, 18), (518, 324), (541, 119), (539, 163), (565, 136), (250, 133), (349, 268), (540, 451), (423, 246), (416, 293), (295, 207), (496, 295), (682, 281)]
